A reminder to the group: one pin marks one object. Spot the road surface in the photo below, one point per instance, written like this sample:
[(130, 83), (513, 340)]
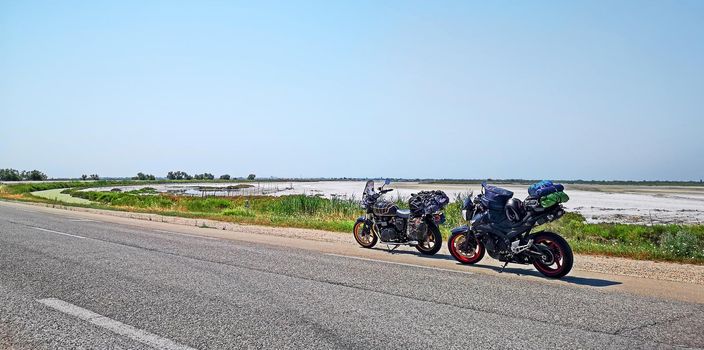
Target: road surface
[(71, 282)]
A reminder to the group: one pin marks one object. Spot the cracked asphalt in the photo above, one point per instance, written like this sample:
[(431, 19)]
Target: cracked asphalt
[(209, 293)]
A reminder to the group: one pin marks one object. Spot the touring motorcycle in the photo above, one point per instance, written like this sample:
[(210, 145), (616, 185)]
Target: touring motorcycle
[(502, 226), (385, 222)]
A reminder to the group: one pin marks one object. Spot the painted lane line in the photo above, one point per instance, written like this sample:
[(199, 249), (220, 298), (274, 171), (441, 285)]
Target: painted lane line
[(402, 264), (57, 232), (186, 234), (114, 326)]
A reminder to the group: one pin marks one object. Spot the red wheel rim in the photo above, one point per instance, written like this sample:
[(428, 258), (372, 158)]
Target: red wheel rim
[(557, 264), (465, 257)]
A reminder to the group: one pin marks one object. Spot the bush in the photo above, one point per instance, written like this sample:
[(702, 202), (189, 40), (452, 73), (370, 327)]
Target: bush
[(682, 244)]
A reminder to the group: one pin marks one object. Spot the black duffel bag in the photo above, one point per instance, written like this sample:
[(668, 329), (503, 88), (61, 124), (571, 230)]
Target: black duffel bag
[(495, 198), (427, 202)]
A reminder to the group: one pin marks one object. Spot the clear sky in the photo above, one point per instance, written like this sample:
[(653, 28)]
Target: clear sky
[(426, 89)]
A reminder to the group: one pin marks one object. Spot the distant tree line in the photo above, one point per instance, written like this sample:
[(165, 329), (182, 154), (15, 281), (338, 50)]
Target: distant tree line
[(94, 177), (204, 176), (178, 175), (143, 176), (182, 175), (14, 175)]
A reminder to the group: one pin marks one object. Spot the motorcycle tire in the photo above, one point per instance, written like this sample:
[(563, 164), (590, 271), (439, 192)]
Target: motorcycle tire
[(365, 239), (434, 241), (465, 257), (559, 262)]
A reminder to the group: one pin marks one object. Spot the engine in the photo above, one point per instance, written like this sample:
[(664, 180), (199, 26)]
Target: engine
[(391, 229)]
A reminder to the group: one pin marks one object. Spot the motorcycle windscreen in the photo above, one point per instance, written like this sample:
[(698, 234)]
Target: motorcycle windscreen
[(369, 188)]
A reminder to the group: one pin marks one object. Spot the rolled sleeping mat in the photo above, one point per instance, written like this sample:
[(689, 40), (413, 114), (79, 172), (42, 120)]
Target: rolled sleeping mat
[(554, 198), (533, 189), (544, 191)]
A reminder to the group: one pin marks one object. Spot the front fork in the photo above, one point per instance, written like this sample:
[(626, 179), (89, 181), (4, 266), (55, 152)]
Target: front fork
[(469, 237), (368, 227)]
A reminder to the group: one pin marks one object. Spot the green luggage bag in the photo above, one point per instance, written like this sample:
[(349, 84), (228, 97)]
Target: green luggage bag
[(554, 198)]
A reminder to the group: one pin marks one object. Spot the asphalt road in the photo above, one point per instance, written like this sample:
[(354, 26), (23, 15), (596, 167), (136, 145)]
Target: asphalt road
[(67, 282)]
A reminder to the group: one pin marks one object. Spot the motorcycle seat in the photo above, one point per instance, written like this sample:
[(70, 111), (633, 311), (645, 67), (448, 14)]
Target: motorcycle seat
[(403, 213)]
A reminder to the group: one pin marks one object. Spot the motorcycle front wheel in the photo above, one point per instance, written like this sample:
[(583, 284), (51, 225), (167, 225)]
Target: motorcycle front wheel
[(463, 251), (364, 235), (432, 243), (557, 259)]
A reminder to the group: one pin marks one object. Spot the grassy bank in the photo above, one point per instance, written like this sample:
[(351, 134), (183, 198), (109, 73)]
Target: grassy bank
[(681, 243)]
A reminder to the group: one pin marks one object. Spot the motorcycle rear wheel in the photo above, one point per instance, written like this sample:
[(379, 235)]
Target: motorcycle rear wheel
[(432, 243), (364, 235), (558, 262)]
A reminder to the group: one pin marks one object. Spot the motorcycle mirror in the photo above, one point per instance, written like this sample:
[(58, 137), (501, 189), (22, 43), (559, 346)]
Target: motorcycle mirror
[(387, 181)]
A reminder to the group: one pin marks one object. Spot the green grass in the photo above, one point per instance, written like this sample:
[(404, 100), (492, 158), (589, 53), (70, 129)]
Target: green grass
[(58, 195), (681, 243), (684, 243)]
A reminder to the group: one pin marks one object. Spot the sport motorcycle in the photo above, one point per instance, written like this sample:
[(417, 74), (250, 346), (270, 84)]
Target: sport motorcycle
[(501, 226)]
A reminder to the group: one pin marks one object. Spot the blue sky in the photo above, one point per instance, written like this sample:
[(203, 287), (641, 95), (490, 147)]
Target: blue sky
[(426, 89)]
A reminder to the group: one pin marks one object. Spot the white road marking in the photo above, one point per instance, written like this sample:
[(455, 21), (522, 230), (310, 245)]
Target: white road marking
[(402, 264), (57, 232), (114, 326), (186, 234)]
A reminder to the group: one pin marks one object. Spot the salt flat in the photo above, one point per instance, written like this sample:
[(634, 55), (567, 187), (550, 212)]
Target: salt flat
[(598, 203)]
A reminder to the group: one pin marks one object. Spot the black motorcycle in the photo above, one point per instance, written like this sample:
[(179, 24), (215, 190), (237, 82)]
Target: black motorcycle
[(504, 230), (394, 227)]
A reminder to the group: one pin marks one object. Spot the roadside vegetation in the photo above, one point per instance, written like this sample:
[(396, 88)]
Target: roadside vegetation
[(680, 243)]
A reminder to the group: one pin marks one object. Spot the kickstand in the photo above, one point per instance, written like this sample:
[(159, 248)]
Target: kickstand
[(503, 267), (391, 250)]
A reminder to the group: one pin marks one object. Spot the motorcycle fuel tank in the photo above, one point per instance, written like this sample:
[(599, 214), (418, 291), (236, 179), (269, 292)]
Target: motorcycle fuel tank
[(384, 208)]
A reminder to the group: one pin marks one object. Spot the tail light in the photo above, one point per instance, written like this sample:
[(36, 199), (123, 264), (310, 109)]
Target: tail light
[(439, 218)]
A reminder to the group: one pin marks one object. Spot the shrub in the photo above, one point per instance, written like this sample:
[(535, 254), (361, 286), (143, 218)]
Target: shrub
[(682, 244)]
